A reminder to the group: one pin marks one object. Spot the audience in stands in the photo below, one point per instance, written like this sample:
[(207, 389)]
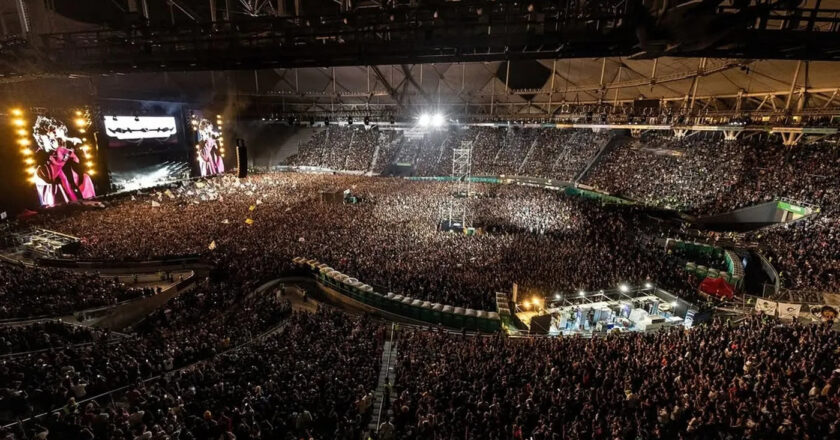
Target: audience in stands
[(44, 335), (555, 154), (757, 380), (314, 378), (29, 292), (196, 325)]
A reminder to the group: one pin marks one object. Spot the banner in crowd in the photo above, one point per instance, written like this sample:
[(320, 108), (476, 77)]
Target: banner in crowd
[(766, 307), (832, 299), (789, 311)]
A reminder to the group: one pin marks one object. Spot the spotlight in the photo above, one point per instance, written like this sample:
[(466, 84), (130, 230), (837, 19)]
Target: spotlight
[(17, 112), (624, 288), (437, 120), (648, 285), (424, 120), (80, 122), (557, 297), (582, 293), (18, 122)]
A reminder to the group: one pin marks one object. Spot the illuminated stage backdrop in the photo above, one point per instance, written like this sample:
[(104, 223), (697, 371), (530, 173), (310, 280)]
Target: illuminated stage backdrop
[(57, 158)]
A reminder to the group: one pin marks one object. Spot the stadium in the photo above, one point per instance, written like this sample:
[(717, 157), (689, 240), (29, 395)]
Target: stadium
[(419, 219)]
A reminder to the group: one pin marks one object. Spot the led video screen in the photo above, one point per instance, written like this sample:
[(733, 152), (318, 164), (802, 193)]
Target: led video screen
[(145, 151), (57, 156), (210, 150)]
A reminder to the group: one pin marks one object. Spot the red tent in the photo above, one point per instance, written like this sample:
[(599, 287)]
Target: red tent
[(717, 287)]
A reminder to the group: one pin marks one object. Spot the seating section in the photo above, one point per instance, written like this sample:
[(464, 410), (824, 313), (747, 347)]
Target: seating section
[(550, 153)]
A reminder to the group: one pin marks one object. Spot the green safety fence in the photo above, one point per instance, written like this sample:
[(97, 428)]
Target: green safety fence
[(415, 309), (572, 191)]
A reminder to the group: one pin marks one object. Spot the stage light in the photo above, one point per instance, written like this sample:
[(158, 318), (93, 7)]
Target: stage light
[(648, 285), (557, 297), (26, 151), (84, 147), (582, 293), (624, 288), (31, 170), (89, 164), (32, 179), (24, 142), (22, 132), (437, 120), (81, 121), (19, 122), (81, 130), (424, 120), (29, 161), (17, 112), (91, 172)]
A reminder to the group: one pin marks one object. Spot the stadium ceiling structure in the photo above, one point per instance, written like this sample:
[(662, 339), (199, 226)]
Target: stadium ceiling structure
[(476, 58)]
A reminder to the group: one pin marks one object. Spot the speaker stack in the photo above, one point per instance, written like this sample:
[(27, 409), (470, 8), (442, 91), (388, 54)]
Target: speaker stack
[(241, 158)]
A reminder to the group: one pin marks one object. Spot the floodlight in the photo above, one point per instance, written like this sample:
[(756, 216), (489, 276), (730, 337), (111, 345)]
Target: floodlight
[(424, 120)]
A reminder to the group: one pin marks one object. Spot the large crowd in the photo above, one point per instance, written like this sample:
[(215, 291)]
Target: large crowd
[(227, 360), (757, 380), (544, 241)]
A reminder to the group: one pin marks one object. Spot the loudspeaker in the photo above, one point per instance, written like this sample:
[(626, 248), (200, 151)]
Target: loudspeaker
[(540, 325), (241, 159)]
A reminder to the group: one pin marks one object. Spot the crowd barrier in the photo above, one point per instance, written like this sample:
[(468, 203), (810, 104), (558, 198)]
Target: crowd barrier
[(405, 306)]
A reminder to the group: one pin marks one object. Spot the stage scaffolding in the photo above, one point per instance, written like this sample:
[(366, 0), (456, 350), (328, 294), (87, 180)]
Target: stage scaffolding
[(461, 177)]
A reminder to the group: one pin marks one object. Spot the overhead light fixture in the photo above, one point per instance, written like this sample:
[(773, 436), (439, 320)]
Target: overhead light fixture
[(425, 120)]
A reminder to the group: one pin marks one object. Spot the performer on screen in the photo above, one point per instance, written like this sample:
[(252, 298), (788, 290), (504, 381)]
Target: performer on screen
[(57, 175), (210, 158)]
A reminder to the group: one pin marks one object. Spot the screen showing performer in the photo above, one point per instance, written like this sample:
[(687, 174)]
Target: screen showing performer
[(59, 174), (210, 161)]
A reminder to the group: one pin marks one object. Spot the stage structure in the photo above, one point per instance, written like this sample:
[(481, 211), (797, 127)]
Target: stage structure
[(457, 218)]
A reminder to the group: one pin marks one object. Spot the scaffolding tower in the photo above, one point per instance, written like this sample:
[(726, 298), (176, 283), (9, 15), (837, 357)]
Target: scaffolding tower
[(461, 176)]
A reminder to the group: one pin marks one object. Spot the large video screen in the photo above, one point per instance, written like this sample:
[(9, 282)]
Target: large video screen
[(210, 150), (56, 153), (144, 151)]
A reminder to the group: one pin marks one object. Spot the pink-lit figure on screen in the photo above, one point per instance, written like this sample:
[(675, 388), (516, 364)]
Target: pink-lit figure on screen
[(56, 179), (209, 157)]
